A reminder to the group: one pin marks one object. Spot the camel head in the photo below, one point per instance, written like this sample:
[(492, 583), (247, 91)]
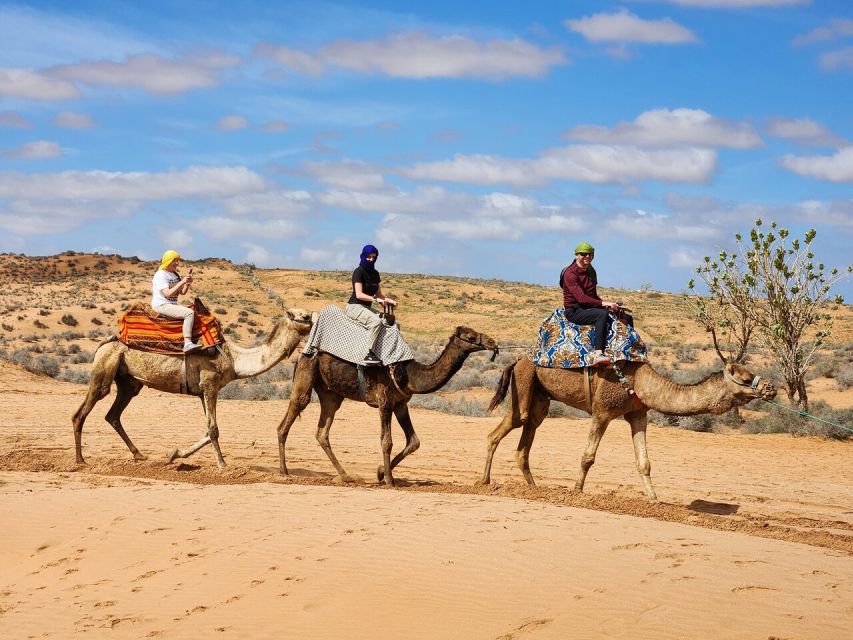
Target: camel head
[(300, 320), (745, 385), (477, 341)]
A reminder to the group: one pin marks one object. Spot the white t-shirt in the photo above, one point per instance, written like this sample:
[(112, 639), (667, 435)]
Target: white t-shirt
[(163, 280)]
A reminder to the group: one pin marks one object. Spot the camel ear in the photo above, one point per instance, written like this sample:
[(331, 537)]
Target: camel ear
[(290, 315)]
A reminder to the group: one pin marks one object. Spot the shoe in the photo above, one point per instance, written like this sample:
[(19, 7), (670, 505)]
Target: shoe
[(189, 346), (600, 360), (371, 360)]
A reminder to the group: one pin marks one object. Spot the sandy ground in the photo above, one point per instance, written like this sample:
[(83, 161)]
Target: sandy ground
[(753, 537)]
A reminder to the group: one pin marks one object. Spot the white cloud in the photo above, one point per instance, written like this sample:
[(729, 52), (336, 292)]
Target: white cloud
[(36, 150), (834, 60), (178, 239), (275, 203), (223, 228), (276, 126), (346, 174), (803, 131), (653, 226), (837, 28), (151, 72), (424, 200), (737, 4), (419, 55), (72, 120), (12, 119), (684, 258), (231, 123), (192, 182), (585, 163), (834, 168), (34, 85), (625, 27), (293, 59), (664, 127), (260, 256), (57, 216)]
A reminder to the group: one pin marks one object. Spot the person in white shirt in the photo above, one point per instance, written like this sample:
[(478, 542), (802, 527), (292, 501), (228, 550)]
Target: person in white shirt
[(166, 286)]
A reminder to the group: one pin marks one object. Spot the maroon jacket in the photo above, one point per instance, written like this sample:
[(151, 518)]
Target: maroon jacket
[(579, 288)]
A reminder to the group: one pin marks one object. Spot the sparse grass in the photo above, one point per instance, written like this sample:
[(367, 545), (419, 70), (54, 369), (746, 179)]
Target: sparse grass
[(778, 420)]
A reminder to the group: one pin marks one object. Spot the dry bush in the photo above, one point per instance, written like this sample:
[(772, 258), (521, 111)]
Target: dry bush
[(253, 389), (69, 320), (779, 420), (456, 406)]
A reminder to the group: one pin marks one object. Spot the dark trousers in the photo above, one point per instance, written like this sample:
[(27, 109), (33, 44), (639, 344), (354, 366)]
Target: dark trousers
[(600, 318)]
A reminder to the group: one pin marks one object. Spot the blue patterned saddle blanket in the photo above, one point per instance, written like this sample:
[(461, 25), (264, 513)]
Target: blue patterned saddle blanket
[(565, 345)]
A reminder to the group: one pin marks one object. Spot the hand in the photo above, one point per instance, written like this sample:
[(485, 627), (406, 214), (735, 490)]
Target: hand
[(612, 306), (390, 301)]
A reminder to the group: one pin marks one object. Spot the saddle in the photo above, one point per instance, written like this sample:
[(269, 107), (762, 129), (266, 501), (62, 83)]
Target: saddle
[(562, 344), (140, 327)]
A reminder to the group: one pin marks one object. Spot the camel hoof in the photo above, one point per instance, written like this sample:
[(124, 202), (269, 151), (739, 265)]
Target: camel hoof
[(380, 474), (174, 453), (139, 457), (482, 482)]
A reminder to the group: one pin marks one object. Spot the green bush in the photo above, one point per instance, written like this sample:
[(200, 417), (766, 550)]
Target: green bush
[(779, 420)]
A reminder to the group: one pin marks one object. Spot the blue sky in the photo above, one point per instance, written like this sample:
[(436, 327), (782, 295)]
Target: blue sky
[(480, 139)]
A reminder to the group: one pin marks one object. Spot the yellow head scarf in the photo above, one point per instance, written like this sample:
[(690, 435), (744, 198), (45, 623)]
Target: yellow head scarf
[(168, 258)]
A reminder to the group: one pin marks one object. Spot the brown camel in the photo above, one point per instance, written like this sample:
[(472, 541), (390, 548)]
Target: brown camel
[(388, 388), (533, 388), (204, 376)]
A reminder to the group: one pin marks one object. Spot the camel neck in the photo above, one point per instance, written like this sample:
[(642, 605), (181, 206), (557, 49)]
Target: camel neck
[(426, 378), (667, 396), (251, 361)]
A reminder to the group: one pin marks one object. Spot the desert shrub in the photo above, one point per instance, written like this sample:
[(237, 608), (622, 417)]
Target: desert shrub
[(220, 311), (69, 320), (44, 312), (560, 410), (48, 365), (97, 321), (456, 406), (7, 327), (80, 357), (38, 324), (253, 389), (86, 304), (779, 420), (73, 348), (702, 423), (94, 334)]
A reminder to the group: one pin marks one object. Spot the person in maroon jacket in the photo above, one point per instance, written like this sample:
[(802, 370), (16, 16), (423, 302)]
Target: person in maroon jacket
[(582, 303)]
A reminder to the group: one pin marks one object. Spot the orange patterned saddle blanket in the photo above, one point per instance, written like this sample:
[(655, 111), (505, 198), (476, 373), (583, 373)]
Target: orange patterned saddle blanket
[(140, 327)]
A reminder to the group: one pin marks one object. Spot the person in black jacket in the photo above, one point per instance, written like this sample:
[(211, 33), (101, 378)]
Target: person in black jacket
[(366, 290)]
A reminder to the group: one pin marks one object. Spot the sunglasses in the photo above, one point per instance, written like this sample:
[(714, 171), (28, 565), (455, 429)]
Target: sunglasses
[(585, 255)]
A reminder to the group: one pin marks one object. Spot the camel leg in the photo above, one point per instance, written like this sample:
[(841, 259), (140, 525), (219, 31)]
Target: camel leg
[(515, 417), (300, 397), (208, 402), (127, 388), (412, 442), (329, 404), (103, 373), (596, 433), (538, 411), (638, 421), (387, 443)]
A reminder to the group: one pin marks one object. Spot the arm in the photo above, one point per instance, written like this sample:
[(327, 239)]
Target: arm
[(382, 299)]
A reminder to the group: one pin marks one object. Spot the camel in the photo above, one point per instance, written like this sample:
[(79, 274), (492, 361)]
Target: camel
[(389, 388), (204, 376), (533, 388)]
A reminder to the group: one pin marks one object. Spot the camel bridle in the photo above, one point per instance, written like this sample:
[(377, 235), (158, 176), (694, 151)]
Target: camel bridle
[(495, 351), (752, 385)]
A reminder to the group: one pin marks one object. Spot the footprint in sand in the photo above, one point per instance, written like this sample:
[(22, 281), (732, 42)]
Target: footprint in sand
[(524, 628)]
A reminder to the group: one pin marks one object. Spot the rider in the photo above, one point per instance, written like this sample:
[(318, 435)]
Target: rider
[(166, 286), (365, 291), (582, 303)]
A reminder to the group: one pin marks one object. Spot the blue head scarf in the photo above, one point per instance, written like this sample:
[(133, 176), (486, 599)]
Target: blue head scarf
[(366, 251)]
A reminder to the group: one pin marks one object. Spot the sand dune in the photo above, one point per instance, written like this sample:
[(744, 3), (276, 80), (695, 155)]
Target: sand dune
[(753, 537)]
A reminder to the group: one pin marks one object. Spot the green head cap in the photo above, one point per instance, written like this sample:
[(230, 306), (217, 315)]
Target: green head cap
[(584, 247)]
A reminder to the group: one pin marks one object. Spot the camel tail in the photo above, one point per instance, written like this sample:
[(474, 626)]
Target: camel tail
[(503, 387)]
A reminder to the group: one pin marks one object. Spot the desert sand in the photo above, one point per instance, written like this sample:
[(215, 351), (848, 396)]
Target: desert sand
[(753, 537)]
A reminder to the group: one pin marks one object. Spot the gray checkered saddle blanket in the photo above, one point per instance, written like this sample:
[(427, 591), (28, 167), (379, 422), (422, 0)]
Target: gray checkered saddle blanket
[(335, 333)]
